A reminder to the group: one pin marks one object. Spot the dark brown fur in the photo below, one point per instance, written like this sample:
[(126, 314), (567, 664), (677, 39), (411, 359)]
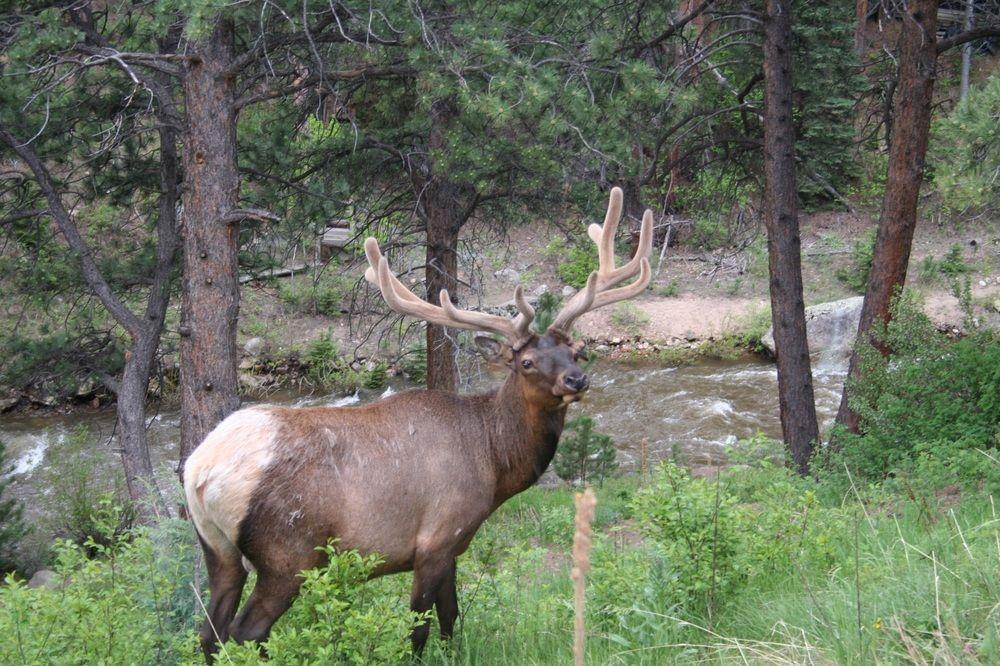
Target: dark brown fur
[(411, 478)]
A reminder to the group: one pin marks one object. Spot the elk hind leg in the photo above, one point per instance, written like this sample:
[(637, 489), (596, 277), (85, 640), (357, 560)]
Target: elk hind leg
[(271, 597), (429, 574), (446, 603), (226, 577)]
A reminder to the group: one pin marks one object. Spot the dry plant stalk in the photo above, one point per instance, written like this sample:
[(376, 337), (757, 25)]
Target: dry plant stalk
[(585, 504), (644, 460)]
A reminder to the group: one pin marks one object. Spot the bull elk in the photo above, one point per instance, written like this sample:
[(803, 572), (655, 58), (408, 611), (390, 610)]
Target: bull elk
[(410, 477)]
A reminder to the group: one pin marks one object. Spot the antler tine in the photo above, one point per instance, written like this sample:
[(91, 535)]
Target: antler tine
[(577, 305), (607, 275), (404, 301)]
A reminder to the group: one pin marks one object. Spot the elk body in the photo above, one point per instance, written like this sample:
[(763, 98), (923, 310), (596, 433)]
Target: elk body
[(410, 477)]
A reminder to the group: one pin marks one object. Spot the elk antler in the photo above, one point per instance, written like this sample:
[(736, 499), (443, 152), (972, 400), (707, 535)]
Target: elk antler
[(598, 293), (404, 301)]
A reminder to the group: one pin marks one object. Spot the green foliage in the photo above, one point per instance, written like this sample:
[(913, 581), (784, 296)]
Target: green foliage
[(377, 376), (827, 80), (576, 264), (130, 604), (414, 364), (931, 411), (337, 619), (670, 290), (950, 266), (546, 310), (855, 275), (12, 526), (965, 150), (307, 296), (627, 316), (584, 455), (88, 502)]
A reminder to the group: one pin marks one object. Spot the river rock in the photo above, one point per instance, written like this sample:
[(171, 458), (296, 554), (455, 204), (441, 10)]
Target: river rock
[(254, 346), (9, 403), (44, 578), (568, 291), (830, 327)]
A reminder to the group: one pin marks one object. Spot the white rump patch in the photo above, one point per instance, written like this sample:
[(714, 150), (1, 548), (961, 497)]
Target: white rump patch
[(222, 473)]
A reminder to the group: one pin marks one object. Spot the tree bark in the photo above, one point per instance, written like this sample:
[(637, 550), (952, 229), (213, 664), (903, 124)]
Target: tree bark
[(795, 390), (210, 306), (860, 26), (963, 89), (907, 151), (441, 272)]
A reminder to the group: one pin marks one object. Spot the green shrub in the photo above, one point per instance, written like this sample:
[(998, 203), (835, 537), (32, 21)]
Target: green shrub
[(12, 526), (338, 618), (931, 410), (629, 317), (88, 504), (951, 265), (308, 296), (577, 263), (546, 310), (133, 604), (376, 377), (584, 455), (414, 364), (855, 275)]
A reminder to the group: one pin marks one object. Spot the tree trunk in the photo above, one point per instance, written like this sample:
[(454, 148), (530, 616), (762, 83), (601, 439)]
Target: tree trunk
[(210, 305), (907, 150), (860, 26), (963, 90), (444, 220), (795, 391)]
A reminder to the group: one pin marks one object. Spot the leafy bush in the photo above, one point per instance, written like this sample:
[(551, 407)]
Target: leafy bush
[(12, 526), (337, 619), (546, 310), (131, 605), (584, 454), (88, 502), (576, 264), (324, 296), (931, 410), (951, 265), (855, 276)]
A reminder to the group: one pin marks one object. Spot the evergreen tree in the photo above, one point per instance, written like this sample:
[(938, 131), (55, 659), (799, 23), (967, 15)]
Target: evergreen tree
[(584, 455)]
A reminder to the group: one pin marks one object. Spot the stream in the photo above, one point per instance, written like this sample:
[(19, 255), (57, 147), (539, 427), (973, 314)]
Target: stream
[(693, 413)]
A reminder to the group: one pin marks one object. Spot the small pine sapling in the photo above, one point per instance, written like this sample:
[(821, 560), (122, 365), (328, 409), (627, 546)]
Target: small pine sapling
[(584, 455)]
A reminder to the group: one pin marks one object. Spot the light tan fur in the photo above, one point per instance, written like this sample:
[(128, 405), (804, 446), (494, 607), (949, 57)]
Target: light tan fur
[(222, 473)]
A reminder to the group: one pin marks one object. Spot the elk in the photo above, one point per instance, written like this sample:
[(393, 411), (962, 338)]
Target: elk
[(410, 477)]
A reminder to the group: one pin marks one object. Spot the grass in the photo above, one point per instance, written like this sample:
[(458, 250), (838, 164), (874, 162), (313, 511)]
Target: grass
[(914, 581)]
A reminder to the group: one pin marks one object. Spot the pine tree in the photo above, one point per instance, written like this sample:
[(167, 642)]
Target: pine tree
[(584, 454)]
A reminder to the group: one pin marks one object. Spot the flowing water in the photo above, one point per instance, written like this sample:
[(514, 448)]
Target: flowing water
[(691, 412)]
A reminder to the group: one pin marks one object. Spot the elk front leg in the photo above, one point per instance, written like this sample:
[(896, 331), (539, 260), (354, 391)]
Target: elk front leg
[(446, 603), (429, 574)]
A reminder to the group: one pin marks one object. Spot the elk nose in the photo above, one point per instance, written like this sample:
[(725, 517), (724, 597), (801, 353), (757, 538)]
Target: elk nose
[(576, 381)]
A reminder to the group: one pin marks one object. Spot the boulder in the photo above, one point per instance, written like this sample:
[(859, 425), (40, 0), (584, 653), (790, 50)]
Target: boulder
[(568, 291), (254, 346), (44, 578), (508, 274), (830, 327)]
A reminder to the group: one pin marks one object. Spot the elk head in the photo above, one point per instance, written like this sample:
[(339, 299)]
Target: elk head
[(547, 361)]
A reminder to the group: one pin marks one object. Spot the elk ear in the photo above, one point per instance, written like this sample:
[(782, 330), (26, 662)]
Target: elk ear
[(494, 350)]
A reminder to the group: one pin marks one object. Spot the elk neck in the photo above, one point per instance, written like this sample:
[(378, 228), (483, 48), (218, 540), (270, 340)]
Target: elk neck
[(524, 431)]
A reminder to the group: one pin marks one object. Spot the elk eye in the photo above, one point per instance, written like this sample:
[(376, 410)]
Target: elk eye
[(527, 364)]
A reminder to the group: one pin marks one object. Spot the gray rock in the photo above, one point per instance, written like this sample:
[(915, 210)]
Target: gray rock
[(568, 291), (44, 578), (254, 346), (830, 327), (539, 290), (7, 404), (508, 274)]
